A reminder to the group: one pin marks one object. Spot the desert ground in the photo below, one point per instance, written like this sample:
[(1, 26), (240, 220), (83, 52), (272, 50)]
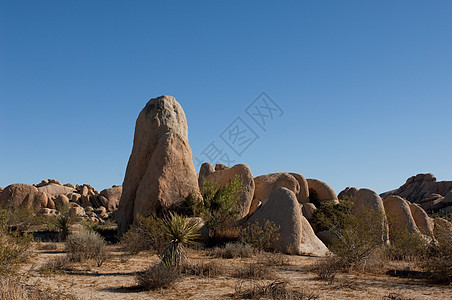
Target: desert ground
[(115, 279)]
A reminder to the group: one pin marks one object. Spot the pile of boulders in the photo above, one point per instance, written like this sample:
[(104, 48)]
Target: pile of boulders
[(49, 197), (431, 195), (160, 175)]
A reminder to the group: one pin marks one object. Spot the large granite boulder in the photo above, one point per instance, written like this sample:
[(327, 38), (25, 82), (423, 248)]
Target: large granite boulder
[(36, 201), (399, 216), (295, 233), (223, 176), (423, 222), (303, 195), (15, 194), (205, 170), (319, 191), (110, 197), (160, 172), (348, 193), (265, 184), (368, 201)]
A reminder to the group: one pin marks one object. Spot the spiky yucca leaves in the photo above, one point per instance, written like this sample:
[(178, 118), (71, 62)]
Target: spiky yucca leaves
[(63, 223), (181, 231)]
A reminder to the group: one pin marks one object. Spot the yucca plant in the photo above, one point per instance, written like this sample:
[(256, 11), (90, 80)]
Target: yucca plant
[(63, 223), (181, 231)]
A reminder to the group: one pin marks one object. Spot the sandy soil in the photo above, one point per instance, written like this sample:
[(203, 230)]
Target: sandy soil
[(115, 280)]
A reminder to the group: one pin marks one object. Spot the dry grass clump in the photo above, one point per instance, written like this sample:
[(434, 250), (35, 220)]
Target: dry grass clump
[(48, 246), (328, 268), (203, 269), (275, 290), (12, 289), (57, 265), (158, 276), (84, 246), (273, 259), (395, 296), (233, 250), (254, 270)]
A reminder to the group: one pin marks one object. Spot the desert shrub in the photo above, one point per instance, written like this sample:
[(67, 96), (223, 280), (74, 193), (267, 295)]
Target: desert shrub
[(332, 215), (406, 246), (260, 237), (359, 237), (274, 290), (85, 246), (146, 235), (180, 231), (157, 277), (203, 268), (356, 236), (218, 205), (14, 247), (233, 250), (254, 270), (438, 260)]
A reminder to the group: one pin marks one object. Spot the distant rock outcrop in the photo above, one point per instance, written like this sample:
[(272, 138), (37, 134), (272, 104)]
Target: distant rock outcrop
[(422, 186), (160, 172), (110, 197), (54, 189)]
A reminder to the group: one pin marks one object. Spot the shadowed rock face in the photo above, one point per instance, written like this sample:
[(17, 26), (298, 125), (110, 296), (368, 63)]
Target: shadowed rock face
[(320, 191), (15, 194), (160, 171)]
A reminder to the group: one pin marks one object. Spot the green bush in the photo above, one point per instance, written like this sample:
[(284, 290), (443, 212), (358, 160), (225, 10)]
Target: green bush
[(84, 246), (260, 237), (218, 205), (406, 246), (356, 236), (331, 215)]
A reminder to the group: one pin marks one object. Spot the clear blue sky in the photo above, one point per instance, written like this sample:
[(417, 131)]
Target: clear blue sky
[(365, 86)]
